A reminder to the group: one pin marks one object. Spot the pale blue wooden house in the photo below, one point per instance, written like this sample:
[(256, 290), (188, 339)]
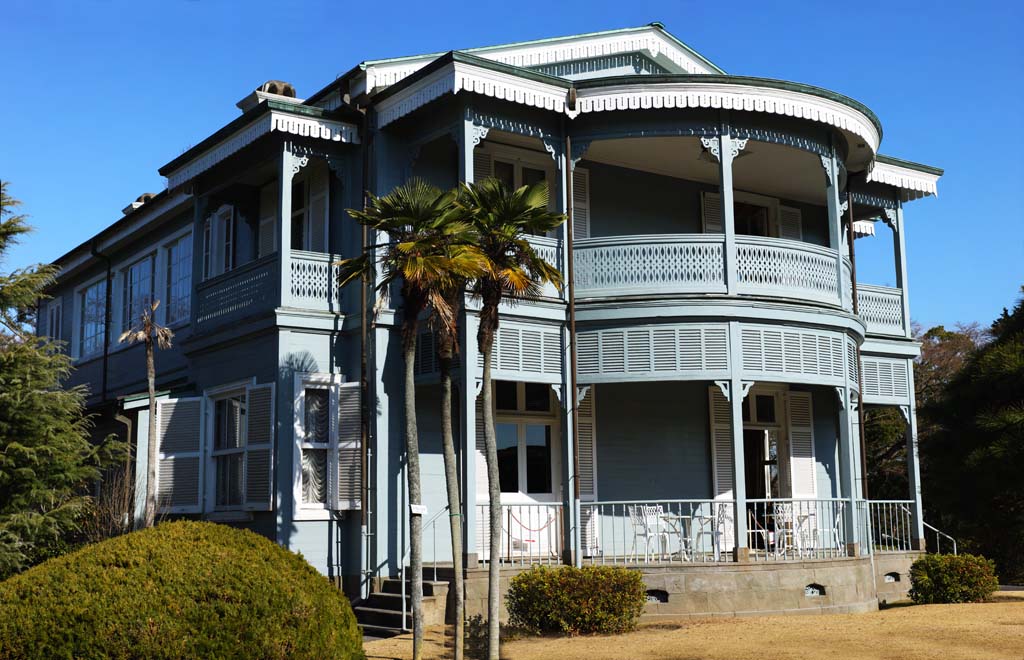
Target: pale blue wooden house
[(701, 421)]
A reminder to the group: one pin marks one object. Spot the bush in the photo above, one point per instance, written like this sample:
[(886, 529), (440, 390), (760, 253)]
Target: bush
[(573, 601), (179, 590), (952, 579)]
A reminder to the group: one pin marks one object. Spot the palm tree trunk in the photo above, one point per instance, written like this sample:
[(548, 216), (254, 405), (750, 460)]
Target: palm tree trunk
[(454, 509), (412, 465), (494, 501), (153, 450)]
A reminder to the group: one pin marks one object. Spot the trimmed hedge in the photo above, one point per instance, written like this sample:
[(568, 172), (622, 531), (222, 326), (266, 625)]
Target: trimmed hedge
[(179, 590), (574, 601), (952, 579)]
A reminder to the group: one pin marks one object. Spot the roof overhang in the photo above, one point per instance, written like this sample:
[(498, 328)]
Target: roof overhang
[(268, 117), (913, 179)]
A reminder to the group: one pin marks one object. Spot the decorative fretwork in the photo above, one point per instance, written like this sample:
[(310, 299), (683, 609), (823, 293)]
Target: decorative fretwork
[(236, 294), (314, 282), (668, 264), (882, 309), (790, 269)]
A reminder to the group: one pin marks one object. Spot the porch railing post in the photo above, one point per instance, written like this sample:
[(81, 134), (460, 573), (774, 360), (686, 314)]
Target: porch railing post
[(848, 469), (914, 468)]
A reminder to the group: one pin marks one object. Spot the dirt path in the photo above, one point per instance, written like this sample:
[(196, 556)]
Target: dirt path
[(989, 631)]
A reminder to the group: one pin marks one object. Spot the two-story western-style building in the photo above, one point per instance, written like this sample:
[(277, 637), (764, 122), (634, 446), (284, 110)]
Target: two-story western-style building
[(721, 355)]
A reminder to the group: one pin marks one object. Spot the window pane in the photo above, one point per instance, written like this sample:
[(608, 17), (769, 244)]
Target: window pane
[(532, 176), (538, 397), (751, 219), (505, 395), (229, 480), (538, 458), (179, 280), (137, 292), (317, 422), (314, 476), (508, 457), (505, 172), (229, 416), (765, 408), (94, 311)]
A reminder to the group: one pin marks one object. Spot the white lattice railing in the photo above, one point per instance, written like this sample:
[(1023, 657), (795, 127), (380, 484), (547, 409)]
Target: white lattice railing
[(314, 282), (881, 308), (787, 269), (630, 265), (550, 250), (246, 290)]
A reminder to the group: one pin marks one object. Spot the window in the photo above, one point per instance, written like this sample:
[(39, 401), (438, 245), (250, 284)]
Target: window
[(136, 292), (219, 247), (299, 215), (54, 319), (752, 219), (524, 432), (179, 280), (316, 439), (93, 302), (228, 452)]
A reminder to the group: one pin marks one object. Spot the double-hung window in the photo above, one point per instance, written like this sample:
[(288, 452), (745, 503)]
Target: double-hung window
[(54, 319), (219, 242), (525, 430), (328, 445), (93, 310), (228, 450), (179, 280), (136, 292)]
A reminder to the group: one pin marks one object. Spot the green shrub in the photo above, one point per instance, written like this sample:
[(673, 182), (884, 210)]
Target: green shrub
[(593, 599), (179, 590), (952, 579)]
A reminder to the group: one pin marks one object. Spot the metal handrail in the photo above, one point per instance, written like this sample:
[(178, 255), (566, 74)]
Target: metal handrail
[(407, 552), (938, 533)]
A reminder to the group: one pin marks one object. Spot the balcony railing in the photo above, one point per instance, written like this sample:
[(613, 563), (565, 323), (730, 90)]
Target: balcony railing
[(530, 533), (314, 282), (245, 291), (882, 309), (786, 269), (638, 265)]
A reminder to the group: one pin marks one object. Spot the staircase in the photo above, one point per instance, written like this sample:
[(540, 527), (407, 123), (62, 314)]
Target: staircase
[(380, 615)]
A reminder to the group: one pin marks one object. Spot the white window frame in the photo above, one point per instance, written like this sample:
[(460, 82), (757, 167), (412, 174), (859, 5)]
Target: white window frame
[(535, 160), (126, 318), (210, 398), (302, 510), (219, 242), (55, 318), (521, 418), (163, 278), (780, 426), (770, 203), (78, 322)]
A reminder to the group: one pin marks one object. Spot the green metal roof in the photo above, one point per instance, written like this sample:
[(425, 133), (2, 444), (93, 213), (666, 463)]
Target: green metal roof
[(927, 169)]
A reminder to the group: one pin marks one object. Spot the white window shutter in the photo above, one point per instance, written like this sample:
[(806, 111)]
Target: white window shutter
[(790, 223), (801, 445), (587, 452), (721, 443), (316, 241), (268, 220), (348, 456), (580, 204), (179, 474), (483, 165), (711, 209), (483, 523), (259, 448)]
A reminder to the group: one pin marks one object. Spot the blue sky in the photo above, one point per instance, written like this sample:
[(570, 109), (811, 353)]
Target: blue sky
[(98, 95)]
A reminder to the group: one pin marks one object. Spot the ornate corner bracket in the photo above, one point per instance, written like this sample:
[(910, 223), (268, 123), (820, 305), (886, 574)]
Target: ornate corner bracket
[(478, 386), (844, 206), (841, 394), (889, 218), (826, 164), (581, 393), (713, 145), (724, 386), (579, 150), (905, 411)]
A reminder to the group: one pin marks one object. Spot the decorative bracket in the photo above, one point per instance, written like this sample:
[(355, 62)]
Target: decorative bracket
[(745, 388), (298, 162), (890, 219), (579, 149), (558, 393), (826, 162), (553, 147), (905, 410), (478, 387), (581, 393), (724, 386), (844, 207), (841, 393), (714, 146)]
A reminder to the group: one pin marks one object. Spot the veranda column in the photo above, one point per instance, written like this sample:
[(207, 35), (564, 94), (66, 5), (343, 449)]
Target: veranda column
[(899, 248), (835, 220), (725, 148), (848, 468), (737, 392), (573, 531), (914, 465), (288, 167)]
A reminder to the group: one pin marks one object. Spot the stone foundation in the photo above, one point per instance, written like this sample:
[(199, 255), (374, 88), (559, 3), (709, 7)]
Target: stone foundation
[(892, 575)]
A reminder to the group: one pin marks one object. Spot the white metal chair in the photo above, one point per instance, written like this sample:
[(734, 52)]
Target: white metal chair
[(646, 519)]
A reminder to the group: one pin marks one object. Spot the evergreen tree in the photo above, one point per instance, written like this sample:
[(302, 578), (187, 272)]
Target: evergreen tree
[(47, 461)]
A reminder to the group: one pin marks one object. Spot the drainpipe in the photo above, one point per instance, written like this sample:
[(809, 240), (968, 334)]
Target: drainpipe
[(364, 383), (106, 317), (860, 367), (571, 396)]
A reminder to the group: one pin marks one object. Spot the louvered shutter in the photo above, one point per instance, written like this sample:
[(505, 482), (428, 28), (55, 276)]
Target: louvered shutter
[(267, 240), (580, 204), (483, 524), (711, 208), (587, 452), (721, 444), (801, 445), (259, 448), (483, 165), (348, 464), (790, 223), (179, 474), (318, 211)]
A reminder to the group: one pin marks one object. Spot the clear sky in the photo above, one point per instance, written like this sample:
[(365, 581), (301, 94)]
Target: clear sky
[(97, 95)]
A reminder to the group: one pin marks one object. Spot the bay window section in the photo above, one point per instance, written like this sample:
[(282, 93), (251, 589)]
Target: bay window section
[(136, 292), (179, 280), (93, 304)]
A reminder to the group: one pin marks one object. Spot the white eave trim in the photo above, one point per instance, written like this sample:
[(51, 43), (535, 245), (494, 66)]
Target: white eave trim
[(862, 228), (916, 183), (324, 129), (458, 76)]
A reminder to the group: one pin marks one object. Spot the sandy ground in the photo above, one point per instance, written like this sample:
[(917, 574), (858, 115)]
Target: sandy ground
[(987, 631)]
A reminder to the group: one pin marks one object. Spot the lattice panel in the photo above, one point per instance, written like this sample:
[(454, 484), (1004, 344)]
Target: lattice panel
[(882, 310), (886, 378), (787, 269), (236, 294), (666, 265), (314, 283), (683, 350), (797, 352)]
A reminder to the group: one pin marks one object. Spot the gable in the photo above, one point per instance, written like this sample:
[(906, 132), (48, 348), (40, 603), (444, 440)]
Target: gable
[(620, 64)]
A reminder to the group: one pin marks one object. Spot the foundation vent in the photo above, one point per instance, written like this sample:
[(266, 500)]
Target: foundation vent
[(814, 590)]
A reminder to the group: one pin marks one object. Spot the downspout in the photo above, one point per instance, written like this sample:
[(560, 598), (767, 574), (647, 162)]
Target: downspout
[(860, 365), (571, 395), (106, 317), (364, 382)]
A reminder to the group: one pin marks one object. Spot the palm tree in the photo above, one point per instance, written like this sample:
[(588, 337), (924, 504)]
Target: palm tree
[(152, 334), (502, 219), (427, 252)]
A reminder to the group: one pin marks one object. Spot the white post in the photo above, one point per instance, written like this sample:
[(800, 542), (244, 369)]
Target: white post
[(835, 221), (737, 393), (287, 167), (727, 150), (913, 465), (848, 467), (900, 251)]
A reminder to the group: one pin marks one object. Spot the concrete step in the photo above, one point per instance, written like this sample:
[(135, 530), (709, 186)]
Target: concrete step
[(381, 618), (388, 601), (379, 632), (430, 588)]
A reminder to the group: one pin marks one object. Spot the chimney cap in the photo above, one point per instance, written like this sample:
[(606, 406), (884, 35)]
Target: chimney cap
[(139, 201), (278, 90)]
